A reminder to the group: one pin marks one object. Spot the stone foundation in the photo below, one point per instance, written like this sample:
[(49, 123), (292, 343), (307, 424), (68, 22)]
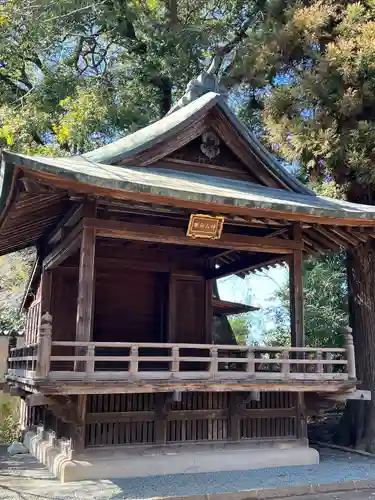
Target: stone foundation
[(119, 462)]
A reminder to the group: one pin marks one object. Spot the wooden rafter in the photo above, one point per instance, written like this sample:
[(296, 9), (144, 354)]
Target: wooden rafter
[(244, 265)]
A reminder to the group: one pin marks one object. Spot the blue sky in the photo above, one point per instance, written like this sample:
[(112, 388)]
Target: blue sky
[(257, 290)]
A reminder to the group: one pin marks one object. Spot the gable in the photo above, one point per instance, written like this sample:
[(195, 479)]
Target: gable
[(209, 145), (242, 156), (208, 155)]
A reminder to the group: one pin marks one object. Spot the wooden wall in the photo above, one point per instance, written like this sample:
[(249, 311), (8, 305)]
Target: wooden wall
[(63, 310), (149, 293), (129, 305), (128, 419), (187, 309), (143, 293)]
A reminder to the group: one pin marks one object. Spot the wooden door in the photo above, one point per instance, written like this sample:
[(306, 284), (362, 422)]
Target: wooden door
[(187, 310)]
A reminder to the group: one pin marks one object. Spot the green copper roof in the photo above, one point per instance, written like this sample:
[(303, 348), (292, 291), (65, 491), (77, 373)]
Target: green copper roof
[(177, 120), (190, 186)]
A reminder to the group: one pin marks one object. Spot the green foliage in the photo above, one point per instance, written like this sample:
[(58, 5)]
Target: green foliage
[(316, 61), (75, 75), (9, 419), (326, 307), (14, 273), (241, 328)]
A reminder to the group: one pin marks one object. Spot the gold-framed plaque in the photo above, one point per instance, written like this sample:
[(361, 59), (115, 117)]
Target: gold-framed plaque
[(205, 226)]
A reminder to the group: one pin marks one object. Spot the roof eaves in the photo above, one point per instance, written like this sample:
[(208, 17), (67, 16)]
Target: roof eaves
[(195, 187)]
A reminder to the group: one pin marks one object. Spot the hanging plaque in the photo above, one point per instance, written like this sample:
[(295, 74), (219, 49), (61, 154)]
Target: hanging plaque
[(205, 226)]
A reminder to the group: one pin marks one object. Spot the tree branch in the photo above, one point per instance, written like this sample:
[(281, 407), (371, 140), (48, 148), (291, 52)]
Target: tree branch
[(15, 85), (87, 7), (221, 52)]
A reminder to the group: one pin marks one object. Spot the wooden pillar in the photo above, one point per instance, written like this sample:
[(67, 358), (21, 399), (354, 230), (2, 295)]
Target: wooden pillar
[(301, 424), (350, 353), (86, 284), (44, 346), (79, 430), (85, 318), (46, 292), (171, 327), (236, 407), (209, 311), (296, 292), (161, 407), (297, 321)]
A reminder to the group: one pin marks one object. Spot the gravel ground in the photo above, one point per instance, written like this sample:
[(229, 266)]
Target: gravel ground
[(22, 478), (350, 495)]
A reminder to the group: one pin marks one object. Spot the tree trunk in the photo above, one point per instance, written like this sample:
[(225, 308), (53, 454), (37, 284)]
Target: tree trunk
[(357, 427)]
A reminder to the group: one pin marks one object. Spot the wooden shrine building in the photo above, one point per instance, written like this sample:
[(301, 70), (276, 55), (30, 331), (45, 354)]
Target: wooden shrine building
[(121, 363)]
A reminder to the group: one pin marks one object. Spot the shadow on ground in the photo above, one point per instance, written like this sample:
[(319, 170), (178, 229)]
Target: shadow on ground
[(22, 478)]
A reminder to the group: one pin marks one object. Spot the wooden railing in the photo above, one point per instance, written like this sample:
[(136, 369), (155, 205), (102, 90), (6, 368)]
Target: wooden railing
[(170, 361), (32, 359), (22, 361), (154, 360), (32, 322)]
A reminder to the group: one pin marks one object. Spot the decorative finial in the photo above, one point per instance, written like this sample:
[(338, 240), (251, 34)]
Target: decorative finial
[(207, 81)]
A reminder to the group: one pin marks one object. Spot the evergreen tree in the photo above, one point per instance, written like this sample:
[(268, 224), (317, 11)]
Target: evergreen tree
[(314, 62), (325, 301)]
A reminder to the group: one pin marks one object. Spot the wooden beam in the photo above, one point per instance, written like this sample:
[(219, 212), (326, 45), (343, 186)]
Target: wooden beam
[(64, 249), (86, 283), (246, 264), (114, 386), (71, 218), (177, 236), (296, 292)]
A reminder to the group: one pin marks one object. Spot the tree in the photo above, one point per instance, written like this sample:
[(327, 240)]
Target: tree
[(241, 328), (75, 75), (14, 272), (326, 304), (314, 65)]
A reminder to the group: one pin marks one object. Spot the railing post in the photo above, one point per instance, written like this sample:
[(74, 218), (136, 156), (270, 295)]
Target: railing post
[(350, 354), (250, 367), (175, 359), (319, 366), (214, 363), (133, 368), (285, 367), (329, 368), (44, 346), (90, 363)]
